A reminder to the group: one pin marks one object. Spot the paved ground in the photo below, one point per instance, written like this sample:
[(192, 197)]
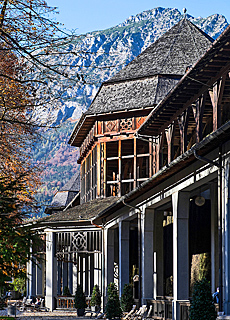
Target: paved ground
[(55, 315)]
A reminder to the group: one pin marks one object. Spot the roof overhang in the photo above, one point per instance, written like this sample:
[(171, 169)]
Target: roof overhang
[(193, 84), (208, 144)]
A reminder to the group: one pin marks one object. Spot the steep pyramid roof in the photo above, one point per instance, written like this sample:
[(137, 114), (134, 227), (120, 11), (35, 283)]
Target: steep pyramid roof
[(146, 80), (172, 53)]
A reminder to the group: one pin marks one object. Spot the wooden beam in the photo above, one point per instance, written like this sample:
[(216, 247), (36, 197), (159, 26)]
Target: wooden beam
[(135, 163), (119, 168), (98, 170), (91, 175), (159, 141), (85, 180), (183, 126), (150, 159), (169, 137), (154, 156), (104, 170), (216, 96), (198, 112), (196, 96)]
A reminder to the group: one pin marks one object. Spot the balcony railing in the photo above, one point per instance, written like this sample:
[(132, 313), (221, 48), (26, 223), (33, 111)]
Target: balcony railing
[(68, 302)]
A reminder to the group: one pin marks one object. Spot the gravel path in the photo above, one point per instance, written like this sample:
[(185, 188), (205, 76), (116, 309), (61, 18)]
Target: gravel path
[(55, 315)]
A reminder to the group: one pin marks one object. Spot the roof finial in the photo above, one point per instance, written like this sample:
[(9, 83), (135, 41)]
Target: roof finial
[(184, 11)]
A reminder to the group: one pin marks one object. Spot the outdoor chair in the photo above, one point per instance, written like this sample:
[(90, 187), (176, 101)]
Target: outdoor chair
[(149, 314), (130, 312), (142, 312)]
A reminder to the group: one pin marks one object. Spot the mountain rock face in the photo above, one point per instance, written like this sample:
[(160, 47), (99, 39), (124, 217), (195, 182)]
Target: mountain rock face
[(100, 55)]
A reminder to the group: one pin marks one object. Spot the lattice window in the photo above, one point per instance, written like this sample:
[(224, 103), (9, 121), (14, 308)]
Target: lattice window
[(79, 241), (126, 124), (70, 243)]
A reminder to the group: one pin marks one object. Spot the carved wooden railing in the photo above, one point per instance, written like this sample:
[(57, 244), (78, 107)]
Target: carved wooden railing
[(105, 128), (65, 302)]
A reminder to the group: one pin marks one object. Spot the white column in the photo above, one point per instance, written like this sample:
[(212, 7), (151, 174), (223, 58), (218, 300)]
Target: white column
[(109, 257), (64, 275), (31, 279), (75, 280), (226, 238), (59, 276), (40, 278), (51, 271), (158, 259), (214, 236), (147, 254), (123, 255), (180, 204), (70, 277)]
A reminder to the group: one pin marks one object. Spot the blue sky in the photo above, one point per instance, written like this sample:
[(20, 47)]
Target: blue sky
[(91, 15)]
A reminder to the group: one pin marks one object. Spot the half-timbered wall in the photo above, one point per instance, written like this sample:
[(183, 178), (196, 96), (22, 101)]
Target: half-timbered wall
[(109, 128), (115, 166), (117, 160), (89, 176)]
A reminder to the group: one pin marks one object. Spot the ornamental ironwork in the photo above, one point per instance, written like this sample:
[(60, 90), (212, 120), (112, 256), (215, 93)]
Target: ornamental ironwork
[(70, 243)]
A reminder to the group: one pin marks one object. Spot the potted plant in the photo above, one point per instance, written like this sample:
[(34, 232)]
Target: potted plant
[(66, 292), (127, 300), (96, 299), (202, 304), (113, 307), (80, 301)]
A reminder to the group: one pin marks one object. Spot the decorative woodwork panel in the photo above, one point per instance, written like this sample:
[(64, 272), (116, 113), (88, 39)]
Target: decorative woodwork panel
[(126, 124), (79, 241), (139, 121), (111, 126), (70, 243)]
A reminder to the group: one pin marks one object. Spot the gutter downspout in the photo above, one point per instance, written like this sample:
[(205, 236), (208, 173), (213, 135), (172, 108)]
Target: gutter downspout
[(139, 246), (220, 217)]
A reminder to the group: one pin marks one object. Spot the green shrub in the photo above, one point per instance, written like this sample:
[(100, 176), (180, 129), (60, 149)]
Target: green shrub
[(202, 304), (96, 296), (79, 300), (113, 307), (127, 298), (67, 292)]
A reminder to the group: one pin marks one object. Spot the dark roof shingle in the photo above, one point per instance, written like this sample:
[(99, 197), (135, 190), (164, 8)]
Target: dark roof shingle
[(137, 94), (82, 212), (172, 53)]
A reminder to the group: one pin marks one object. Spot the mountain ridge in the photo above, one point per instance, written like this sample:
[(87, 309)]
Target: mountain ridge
[(105, 52)]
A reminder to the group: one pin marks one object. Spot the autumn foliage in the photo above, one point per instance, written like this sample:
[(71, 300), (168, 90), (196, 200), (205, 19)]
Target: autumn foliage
[(26, 37)]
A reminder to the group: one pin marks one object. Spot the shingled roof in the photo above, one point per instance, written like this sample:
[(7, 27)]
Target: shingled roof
[(149, 77), (138, 85), (129, 95), (172, 53), (64, 196), (84, 212)]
